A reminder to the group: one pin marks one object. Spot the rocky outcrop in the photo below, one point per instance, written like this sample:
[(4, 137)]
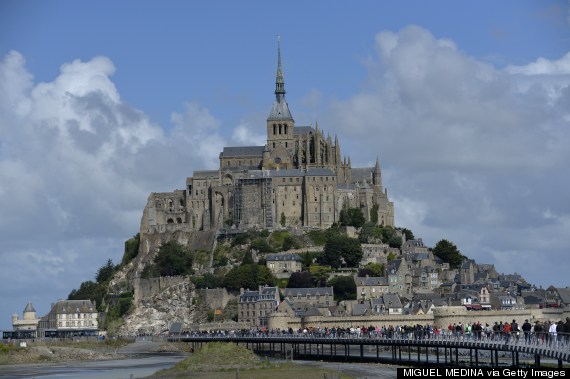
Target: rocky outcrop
[(157, 312)]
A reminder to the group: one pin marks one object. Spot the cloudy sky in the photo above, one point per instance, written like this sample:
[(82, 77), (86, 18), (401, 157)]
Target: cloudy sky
[(467, 105)]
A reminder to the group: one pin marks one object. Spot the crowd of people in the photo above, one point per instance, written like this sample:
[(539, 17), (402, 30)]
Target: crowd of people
[(547, 333)]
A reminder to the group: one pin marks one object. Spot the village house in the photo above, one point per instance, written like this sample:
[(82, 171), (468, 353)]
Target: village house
[(282, 265)]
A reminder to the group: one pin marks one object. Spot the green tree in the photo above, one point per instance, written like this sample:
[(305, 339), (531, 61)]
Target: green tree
[(300, 280), (367, 233), (105, 272), (449, 253), (374, 214), (344, 288), (289, 243), (248, 276), (352, 217), (320, 274), (89, 290), (283, 220), (340, 247), (372, 269), (173, 259), (261, 245), (247, 258), (390, 236), (391, 256), (408, 233), (207, 281), (131, 249)]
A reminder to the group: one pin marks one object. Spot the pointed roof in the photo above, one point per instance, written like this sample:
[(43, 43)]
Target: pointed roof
[(280, 110), (29, 308)]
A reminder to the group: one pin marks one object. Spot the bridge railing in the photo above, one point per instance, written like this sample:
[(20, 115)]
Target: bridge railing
[(552, 341)]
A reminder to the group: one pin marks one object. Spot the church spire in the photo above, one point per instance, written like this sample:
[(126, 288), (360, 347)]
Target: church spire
[(280, 110), (279, 82)]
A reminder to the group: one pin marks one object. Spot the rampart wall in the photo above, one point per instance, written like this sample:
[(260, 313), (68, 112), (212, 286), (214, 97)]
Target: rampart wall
[(441, 317)]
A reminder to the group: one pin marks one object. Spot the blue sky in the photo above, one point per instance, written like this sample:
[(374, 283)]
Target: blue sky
[(466, 104)]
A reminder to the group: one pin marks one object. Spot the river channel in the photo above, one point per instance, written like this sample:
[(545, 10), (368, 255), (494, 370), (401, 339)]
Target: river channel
[(111, 369)]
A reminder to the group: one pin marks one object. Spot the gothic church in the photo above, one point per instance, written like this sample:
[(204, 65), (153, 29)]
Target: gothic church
[(298, 179)]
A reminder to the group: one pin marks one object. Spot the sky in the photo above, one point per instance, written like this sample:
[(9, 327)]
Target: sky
[(466, 104)]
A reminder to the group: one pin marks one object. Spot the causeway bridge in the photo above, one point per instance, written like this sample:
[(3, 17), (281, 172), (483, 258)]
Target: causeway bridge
[(440, 350)]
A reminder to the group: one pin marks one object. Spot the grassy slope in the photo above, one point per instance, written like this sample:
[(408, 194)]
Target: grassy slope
[(220, 360)]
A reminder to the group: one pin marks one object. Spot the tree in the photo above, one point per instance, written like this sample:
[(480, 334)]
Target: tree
[(352, 217), (247, 258), (367, 233), (248, 276), (372, 269), (374, 214), (261, 245), (389, 235), (207, 281), (339, 247), (408, 233), (131, 249), (344, 288), (88, 290), (449, 253), (289, 243), (320, 274), (173, 259), (300, 280), (283, 220), (105, 272), (391, 256)]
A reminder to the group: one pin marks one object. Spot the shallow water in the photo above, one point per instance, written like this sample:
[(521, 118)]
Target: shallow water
[(112, 369)]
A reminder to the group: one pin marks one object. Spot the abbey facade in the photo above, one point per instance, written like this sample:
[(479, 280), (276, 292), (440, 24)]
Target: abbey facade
[(298, 179)]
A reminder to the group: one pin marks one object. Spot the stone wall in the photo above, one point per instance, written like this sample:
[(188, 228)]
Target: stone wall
[(146, 288), (441, 317), (215, 298)]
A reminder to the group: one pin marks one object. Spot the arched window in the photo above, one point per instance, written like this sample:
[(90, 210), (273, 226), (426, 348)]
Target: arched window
[(178, 220), (170, 221)]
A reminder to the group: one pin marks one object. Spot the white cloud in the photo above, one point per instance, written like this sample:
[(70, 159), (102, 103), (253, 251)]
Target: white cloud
[(77, 164), (247, 135), (476, 154), (543, 66)]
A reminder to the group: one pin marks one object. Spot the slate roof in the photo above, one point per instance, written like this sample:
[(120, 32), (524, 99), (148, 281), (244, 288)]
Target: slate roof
[(392, 300), (360, 309), (279, 111), (371, 281), (302, 130), (564, 294), (360, 174), (29, 308), (242, 151), (284, 257), (293, 292), (267, 293), (73, 306), (203, 174), (347, 187)]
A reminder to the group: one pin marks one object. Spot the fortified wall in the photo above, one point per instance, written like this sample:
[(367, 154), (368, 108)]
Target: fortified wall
[(215, 298), (145, 288), (441, 317)]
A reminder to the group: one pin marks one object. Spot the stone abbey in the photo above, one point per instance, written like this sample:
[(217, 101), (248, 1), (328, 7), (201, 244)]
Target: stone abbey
[(298, 179)]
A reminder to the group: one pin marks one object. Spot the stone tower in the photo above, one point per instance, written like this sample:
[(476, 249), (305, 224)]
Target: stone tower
[(280, 124)]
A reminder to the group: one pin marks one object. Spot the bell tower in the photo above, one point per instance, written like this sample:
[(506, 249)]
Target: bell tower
[(280, 123)]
